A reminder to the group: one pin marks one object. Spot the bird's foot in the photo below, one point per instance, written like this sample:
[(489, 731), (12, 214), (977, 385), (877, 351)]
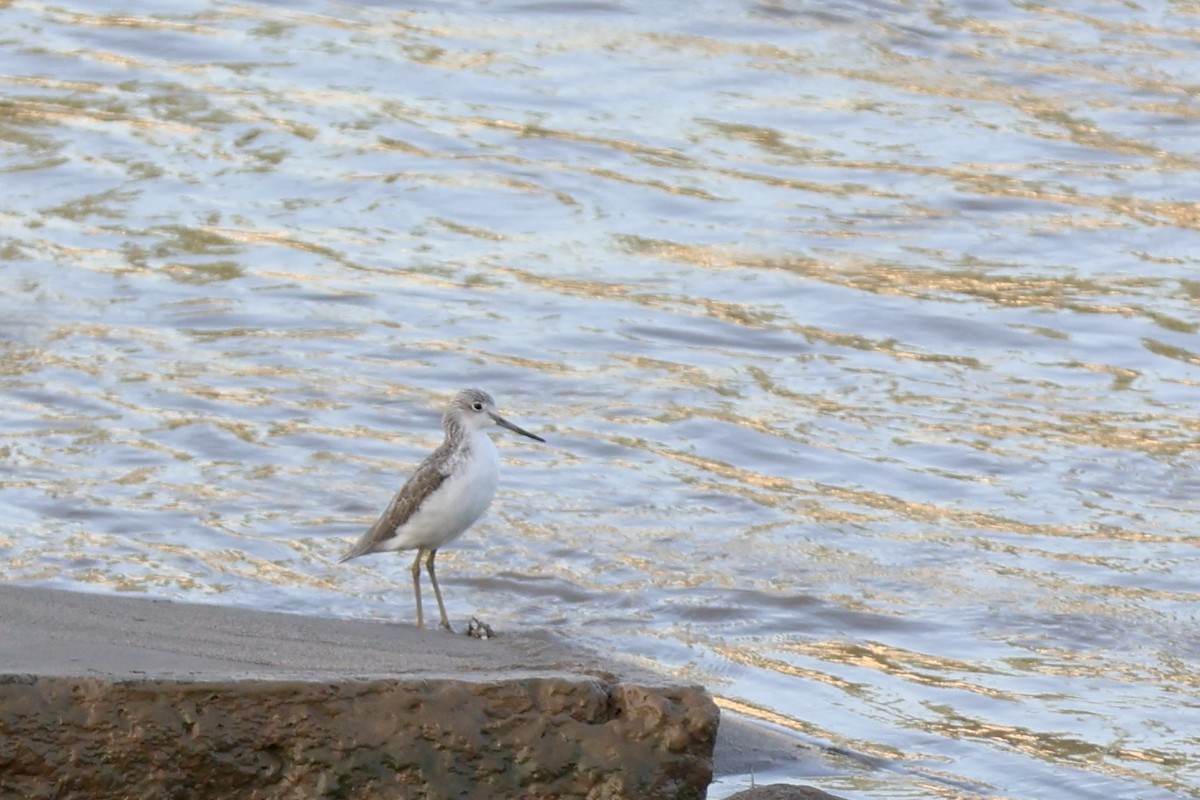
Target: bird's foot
[(478, 629)]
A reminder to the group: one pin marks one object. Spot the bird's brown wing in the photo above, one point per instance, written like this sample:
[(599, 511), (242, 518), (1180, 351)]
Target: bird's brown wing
[(424, 481)]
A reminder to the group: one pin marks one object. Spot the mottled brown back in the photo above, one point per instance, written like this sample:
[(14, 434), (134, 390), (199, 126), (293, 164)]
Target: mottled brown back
[(428, 476)]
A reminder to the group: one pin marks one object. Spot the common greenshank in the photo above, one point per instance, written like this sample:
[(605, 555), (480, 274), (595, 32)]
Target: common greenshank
[(446, 494)]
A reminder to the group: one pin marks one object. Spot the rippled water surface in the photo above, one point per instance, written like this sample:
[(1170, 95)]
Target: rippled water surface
[(863, 336)]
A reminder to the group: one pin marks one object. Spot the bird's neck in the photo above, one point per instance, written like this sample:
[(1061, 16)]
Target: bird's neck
[(463, 435), (454, 429)]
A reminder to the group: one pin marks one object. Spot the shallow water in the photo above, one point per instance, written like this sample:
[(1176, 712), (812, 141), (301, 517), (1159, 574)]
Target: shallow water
[(863, 335)]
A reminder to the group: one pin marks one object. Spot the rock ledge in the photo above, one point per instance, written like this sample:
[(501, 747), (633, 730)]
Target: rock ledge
[(247, 716)]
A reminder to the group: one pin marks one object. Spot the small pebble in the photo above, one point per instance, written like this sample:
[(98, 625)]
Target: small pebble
[(478, 629)]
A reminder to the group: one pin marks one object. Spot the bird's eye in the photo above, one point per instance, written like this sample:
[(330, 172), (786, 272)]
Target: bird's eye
[(478, 406)]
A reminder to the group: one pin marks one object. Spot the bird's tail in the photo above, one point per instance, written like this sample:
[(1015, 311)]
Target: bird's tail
[(369, 541), (361, 547), (353, 553)]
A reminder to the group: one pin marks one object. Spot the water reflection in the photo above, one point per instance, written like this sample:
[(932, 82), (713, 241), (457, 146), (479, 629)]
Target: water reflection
[(863, 334)]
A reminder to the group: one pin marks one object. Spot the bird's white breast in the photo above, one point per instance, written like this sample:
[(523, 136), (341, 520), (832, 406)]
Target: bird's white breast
[(460, 499)]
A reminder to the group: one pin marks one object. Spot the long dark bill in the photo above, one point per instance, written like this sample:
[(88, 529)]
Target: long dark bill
[(505, 423)]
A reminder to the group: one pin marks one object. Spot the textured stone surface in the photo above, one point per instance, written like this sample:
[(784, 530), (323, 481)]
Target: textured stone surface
[(158, 700), (531, 737)]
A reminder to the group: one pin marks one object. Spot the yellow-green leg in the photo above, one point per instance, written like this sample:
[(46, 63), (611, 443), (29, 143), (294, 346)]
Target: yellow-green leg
[(416, 573), (437, 592)]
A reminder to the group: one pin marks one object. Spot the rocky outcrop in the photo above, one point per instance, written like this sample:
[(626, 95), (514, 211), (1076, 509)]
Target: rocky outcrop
[(532, 738), (257, 726)]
